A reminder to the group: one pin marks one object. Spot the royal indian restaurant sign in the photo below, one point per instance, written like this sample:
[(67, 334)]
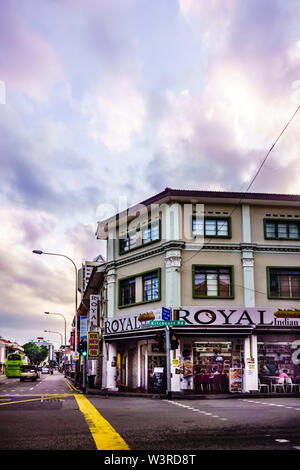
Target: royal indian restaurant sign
[(208, 316)]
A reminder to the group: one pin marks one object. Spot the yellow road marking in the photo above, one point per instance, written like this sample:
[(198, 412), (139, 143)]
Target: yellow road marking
[(43, 397), (71, 386), (104, 435), (37, 395)]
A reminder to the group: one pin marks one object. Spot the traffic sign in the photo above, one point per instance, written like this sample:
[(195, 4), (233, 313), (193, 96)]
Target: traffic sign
[(166, 314), (167, 323)]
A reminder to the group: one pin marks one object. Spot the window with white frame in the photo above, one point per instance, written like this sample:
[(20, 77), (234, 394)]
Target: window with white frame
[(151, 286), (140, 288), (284, 283), (128, 243), (210, 281), (278, 229), (151, 233), (211, 227)]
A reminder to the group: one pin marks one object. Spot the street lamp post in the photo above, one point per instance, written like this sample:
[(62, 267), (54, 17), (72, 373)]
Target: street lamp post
[(40, 252), (61, 315), (57, 333)]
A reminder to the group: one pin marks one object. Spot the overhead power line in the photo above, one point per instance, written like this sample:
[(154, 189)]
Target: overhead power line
[(270, 150), (255, 176)]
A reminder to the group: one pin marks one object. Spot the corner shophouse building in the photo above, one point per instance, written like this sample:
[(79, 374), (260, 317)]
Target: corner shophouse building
[(234, 280)]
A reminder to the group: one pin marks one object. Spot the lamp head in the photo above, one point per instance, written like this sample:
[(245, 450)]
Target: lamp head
[(37, 252)]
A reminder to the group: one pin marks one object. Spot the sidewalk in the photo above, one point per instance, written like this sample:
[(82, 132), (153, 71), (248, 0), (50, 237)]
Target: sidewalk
[(181, 396)]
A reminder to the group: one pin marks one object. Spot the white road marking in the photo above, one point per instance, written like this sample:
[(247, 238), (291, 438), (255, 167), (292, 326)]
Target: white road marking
[(197, 411), (270, 404), (282, 440)]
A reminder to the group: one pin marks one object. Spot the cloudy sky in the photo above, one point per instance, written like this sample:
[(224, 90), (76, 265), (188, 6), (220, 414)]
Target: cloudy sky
[(102, 100)]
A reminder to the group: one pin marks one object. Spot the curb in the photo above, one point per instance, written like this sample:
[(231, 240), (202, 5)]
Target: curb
[(180, 396)]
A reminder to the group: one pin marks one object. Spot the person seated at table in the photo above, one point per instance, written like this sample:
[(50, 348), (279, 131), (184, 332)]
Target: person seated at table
[(197, 380), (273, 368), (283, 374), (264, 369)]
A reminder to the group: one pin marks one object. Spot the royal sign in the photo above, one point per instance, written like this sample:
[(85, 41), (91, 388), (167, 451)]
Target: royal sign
[(208, 316)]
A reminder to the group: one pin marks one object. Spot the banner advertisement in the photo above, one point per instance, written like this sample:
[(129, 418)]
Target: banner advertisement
[(236, 379), (93, 345)]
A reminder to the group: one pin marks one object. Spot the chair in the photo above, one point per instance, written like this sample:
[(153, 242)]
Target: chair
[(198, 383), (263, 386), (279, 385), (217, 383), (225, 383), (289, 383), (206, 383)]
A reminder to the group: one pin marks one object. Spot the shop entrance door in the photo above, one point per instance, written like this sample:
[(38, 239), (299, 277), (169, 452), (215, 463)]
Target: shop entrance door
[(212, 363), (157, 375)]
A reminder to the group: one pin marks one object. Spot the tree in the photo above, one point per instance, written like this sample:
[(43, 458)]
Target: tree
[(36, 354)]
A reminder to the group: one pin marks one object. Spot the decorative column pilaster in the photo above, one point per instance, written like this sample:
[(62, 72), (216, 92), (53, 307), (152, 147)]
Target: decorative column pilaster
[(111, 292), (248, 277), (111, 368), (173, 278), (250, 371)]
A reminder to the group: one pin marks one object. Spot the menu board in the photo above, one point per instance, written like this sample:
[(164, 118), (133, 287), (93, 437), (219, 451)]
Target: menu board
[(235, 379), (157, 379), (187, 369)]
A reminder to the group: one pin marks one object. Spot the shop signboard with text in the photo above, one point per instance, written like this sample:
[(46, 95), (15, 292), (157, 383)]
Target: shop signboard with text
[(93, 345), (238, 316), (83, 327), (137, 321), (206, 317)]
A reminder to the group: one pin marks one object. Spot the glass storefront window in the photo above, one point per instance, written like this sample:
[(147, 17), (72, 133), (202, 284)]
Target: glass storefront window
[(213, 361), (277, 355)]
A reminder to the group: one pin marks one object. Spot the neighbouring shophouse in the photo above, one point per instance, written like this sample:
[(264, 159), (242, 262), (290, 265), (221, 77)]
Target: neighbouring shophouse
[(227, 266), (90, 315), (7, 347)]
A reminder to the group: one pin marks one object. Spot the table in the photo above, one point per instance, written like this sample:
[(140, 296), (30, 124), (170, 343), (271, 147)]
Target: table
[(273, 379)]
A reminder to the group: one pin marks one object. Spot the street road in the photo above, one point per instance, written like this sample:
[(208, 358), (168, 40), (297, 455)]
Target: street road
[(50, 414)]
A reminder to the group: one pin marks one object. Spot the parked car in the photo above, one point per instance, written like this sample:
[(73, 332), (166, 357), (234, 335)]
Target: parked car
[(45, 370), (28, 373)]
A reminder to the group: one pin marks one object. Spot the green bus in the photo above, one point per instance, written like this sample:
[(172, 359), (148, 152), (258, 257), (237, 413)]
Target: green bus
[(14, 361)]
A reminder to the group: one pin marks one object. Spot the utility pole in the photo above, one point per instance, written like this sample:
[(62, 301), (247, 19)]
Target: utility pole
[(84, 375), (168, 349)]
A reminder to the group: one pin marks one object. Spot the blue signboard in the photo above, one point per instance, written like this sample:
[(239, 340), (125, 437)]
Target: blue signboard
[(166, 314), (83, 327)]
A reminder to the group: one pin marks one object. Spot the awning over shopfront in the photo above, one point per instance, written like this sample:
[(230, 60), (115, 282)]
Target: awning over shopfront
[(180, 332), (133, 335), (213, 331)]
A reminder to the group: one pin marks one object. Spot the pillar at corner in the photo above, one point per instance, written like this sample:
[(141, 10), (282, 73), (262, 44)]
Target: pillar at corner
[(111, 368), (173, 278)]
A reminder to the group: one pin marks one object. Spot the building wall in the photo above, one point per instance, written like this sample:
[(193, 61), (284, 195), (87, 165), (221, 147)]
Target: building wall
[(246, 250), (220, 254), (189, 258), (259, 213), (262, 260)]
